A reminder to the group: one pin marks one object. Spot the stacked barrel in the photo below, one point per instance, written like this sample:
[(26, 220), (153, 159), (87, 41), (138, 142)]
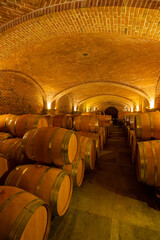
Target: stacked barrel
[(40, 164), (41, 159), (90, 129), (129, 128), (147, 147)]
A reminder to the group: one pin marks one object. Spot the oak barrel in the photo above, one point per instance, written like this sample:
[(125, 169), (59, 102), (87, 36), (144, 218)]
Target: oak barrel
[(102, 134), (87, 151), (21, 124), (3, 118), (133, 146), (76, 169), (4, 136), (148, 125), (50, 145), (88, 113), (23, 216), (86, 123), (10, 128), (104, 118), (5, 168), (132, 121), (49, 118), (13, 150), (62, 121), (52, 185), (96, 137), (148, 162)]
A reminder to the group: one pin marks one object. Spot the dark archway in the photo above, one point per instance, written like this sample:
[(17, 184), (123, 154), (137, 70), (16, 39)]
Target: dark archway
[(114, 112)]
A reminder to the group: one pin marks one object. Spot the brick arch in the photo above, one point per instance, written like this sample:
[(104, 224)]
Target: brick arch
[(20, 93), (129, 101), (103, 105), (110, 103), (133, 20), (33, 9), (85, 106), (121, 85)]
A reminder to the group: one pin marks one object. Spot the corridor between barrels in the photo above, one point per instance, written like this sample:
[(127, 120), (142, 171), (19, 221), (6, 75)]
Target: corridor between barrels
[(111, 204)]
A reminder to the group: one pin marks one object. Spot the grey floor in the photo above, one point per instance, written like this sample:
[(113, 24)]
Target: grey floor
[(111, 204)]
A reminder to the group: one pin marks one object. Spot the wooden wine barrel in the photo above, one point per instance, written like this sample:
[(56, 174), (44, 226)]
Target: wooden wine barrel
[(50, 145), (87, 151), (88, 113), (86, 123), (133, 145), (148, 162), (49, 118), (104, 118), (96, 137), (3, 119), (132, 121), (128, 135), (4, 136), (8, 121), (22, 215), (127, 119), (76, 169), (19, 125), (107, 127), (102, 136), (11, 124), (52, 185), (127, 128), (62, 121), (13, 150), (148, 125), (5, 168), (101, 139)]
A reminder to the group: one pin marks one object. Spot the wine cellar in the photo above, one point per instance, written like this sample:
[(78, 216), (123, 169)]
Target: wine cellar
[(79, 119)]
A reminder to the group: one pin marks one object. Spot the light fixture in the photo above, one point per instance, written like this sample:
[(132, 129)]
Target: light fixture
[(137, 108), (152, 103), (48, 105)]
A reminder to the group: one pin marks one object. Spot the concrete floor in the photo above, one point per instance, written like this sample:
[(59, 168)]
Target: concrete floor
[(111, 204)]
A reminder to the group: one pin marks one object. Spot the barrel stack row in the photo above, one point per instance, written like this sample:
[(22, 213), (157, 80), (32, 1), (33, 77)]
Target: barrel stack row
[(146, 142), (87, 124), (38, 172), (47, 161)]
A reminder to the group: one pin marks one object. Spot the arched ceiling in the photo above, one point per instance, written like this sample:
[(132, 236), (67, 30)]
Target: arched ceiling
[(66, 44), (95, 90), (102, 106), (90, 102)]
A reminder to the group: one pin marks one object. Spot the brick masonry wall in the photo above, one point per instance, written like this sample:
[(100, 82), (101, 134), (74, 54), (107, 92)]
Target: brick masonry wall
[(18, 95), (16, 12), (117, 19), (24, 25), (64, 105)]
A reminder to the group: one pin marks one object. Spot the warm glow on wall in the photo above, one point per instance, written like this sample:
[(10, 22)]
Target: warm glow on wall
[(48, 105), (152, 103), (75, 108), (137, 108), (131, 109)]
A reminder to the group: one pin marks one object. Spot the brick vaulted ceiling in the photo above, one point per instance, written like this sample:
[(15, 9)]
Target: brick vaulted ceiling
[(64, 44)]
